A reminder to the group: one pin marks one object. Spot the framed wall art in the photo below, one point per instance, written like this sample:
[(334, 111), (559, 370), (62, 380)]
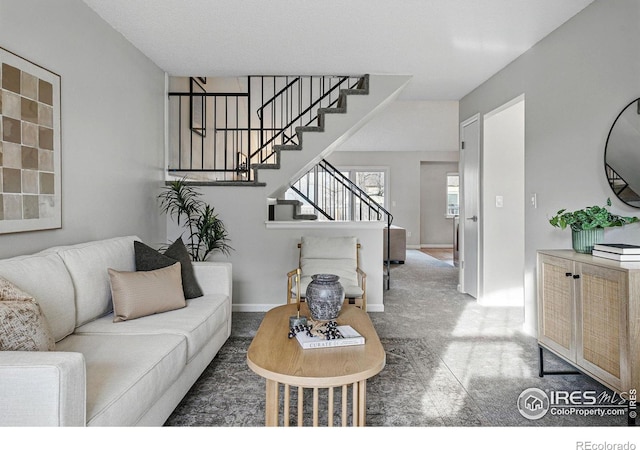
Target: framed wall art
[(30, 172)]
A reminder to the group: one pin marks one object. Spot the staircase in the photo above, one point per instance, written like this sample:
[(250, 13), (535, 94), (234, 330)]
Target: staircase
[(273, 155), (216, 140)]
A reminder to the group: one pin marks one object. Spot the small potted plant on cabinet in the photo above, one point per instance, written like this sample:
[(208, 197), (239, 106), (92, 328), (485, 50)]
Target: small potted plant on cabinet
[(588, 224)]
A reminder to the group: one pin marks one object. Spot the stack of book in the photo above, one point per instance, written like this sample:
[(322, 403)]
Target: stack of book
[(349, 337), (617, 252)]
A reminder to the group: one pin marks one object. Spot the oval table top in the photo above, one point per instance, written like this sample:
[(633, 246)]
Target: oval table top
[(274, 356)]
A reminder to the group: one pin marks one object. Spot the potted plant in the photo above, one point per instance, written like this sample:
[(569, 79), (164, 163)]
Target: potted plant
[(588, 224), (207, 233)]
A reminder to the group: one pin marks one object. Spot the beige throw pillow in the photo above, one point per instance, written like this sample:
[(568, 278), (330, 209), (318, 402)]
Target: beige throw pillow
[(23, 327), (138, 294)]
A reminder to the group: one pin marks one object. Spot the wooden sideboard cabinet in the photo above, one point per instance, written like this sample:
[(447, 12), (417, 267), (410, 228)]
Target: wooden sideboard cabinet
[(589, 315)]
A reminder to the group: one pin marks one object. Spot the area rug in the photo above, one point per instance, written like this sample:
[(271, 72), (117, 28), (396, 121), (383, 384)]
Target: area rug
[(449, 362), (415, 389)]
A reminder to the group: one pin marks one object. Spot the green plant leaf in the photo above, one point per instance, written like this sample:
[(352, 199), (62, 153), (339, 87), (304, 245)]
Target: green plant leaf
[(589, 218), (206, 232)]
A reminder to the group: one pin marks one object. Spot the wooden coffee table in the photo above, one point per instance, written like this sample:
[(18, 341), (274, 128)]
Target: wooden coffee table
[(281, 360)]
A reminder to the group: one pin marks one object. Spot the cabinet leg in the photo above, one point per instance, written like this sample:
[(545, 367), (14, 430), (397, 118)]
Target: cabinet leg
[(542, 372)]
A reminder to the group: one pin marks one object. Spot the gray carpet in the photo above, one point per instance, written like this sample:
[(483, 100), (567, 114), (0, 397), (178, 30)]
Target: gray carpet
[(450, 363)]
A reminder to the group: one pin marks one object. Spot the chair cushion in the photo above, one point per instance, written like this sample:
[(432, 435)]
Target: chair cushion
[(334, 255), (350, 290), (330, 247)]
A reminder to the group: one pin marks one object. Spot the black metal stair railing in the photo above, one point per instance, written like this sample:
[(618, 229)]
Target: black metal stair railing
[(295, 105), (335, 197), (224, 133)]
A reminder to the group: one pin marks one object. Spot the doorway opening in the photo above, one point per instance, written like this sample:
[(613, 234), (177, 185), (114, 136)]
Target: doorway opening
[(493, 206)]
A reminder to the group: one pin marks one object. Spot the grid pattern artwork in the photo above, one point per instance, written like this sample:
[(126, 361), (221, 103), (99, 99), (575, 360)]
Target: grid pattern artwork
[(29, 146)]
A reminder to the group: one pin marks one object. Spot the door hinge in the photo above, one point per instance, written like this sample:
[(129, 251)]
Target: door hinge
[(462, 145)]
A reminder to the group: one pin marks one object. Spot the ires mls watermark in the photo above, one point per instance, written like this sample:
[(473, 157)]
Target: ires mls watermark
[(534, 404)]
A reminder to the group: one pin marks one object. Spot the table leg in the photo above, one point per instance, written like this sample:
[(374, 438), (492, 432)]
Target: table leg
[(362, 403), (271, 404)]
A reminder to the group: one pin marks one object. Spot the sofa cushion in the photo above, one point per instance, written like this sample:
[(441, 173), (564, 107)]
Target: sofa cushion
[(148, 258), (23, 327), (45, 278), (126, 374), (87, 264), (200, 320), (138, 294)]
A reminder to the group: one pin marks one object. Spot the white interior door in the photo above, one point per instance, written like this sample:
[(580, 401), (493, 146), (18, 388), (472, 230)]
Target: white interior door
[(470, 211)]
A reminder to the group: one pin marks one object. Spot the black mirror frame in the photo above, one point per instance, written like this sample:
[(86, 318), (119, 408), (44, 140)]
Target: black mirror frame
[(606, 146)]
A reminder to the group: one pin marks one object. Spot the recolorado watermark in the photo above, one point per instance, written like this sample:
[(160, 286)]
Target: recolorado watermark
[(534, 404), (589, 445)]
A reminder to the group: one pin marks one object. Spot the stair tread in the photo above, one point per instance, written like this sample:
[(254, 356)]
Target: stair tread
[(223, 183), (305, 217), (286, 201)]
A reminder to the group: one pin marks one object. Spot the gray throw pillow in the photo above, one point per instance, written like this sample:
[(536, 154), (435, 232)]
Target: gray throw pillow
[(148, 258)]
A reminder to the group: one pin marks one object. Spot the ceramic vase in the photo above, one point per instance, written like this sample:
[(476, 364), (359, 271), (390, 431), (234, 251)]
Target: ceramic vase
[(325, 296), (584, 240)]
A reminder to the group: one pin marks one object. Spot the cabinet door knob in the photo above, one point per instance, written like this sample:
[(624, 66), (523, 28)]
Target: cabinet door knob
[(575, 277), (568, 274)]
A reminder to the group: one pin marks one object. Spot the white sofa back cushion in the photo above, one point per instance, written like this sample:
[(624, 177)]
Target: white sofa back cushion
[(88, 263), (45, 277)]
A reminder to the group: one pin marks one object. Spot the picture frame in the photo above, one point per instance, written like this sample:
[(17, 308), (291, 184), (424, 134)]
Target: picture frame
[(30, 146), (197, 108)]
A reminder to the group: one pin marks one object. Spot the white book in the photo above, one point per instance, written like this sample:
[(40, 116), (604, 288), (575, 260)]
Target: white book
[(615, 256), (350, 337), (623, 249)]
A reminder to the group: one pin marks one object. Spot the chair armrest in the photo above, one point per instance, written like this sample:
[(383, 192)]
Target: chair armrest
[(362, 275), (363, 285), (290, 275), (214, 277), (42, 389)]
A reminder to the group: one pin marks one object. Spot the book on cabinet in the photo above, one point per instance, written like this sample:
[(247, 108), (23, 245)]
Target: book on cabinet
[(623, 249), (616, 256)]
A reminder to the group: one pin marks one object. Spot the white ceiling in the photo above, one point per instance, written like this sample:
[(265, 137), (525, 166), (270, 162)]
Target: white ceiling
[(449, 46)]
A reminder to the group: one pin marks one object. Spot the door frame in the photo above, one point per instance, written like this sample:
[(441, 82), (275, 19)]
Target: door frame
[(463, 218)]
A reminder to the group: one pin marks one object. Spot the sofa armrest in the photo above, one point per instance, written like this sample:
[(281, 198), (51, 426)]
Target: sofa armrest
[(42, 389), (214, 277)]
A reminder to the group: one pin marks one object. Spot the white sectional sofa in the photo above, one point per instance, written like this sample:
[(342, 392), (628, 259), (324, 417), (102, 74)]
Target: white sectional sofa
[(101, 373)]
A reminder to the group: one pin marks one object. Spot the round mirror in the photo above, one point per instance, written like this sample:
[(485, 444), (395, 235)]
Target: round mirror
[(622, 155)]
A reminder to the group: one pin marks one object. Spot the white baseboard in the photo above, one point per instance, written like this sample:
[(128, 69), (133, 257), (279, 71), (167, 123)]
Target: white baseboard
[(436, 246), (252, 307), (263, 307)]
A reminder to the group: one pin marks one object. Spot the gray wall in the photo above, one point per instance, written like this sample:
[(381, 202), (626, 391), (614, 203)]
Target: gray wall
[(575, 81), (404, 181), (436, 229), (400, 138), (112, 123)]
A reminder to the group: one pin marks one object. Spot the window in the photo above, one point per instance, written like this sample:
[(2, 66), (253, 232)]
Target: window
[(453, 194), (336, 200), (371, 182)]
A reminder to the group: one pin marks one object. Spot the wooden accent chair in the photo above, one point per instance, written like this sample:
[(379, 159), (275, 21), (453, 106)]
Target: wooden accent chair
[(334, 255)]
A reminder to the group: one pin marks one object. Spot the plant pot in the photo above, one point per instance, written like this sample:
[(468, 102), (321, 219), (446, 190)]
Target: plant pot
[(584, 240), (325, 296)]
